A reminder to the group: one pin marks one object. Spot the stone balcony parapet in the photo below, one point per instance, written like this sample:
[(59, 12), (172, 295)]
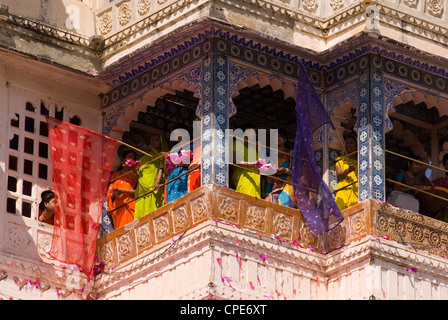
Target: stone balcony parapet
[(210, 202), (269, 220), (214, 223)]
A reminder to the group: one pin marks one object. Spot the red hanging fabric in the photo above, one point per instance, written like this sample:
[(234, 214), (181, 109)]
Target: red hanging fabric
[(82, 161)]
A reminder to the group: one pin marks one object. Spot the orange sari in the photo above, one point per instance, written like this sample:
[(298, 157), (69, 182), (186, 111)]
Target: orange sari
[(125, 214), (194, 178)]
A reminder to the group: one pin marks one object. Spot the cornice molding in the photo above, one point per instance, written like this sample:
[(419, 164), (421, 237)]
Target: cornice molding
[(132, 32)]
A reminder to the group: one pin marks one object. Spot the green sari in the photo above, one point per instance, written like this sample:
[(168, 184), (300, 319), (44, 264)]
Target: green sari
[(147, 176)]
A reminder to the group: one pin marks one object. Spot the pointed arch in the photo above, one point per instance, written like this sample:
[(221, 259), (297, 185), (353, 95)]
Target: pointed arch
[(129, 112), (436, 105)]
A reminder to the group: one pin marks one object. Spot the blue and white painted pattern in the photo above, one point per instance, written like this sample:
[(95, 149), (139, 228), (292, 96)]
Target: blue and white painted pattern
[(370, 126), (221, 109), (206, 114), (214, 115)]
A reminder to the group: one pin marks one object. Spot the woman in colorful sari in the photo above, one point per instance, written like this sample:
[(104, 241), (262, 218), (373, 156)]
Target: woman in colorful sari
[(245, 178), (443, 181), (404, 194), (194, 177), (122, 189), (177, 171), (347, 174), (279, 191), (149, 193)]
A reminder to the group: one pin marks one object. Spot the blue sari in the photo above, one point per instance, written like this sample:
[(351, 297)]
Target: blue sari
[(106, 224), (278, 191), (178, 187)]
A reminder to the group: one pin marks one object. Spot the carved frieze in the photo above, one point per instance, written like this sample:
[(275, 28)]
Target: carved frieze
[(106, 253), (357, 223), (435, 7), (124, 14), (310, 5), (180, 217), (199, 209), (282, 225), (411, 228), (143, 6), (337, 4), (143, 237), (19, 239), (229, 209), (306, 236), (336, 237), (125, 246), (162, 227), (105, 23), (411, 3), (256, 218), (44, 245)]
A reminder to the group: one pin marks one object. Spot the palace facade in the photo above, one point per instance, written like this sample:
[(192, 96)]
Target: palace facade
[(126, 68)]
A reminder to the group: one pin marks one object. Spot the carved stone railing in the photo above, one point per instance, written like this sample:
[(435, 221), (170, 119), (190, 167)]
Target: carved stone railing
[(412, 229), (382, 220), (220, 204), (210, 202)]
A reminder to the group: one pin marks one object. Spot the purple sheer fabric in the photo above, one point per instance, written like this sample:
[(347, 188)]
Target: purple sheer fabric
[(313, 197)]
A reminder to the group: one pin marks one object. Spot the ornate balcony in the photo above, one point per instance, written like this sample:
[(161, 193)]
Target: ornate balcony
[(215, 224), (210, 202), (220, 204)]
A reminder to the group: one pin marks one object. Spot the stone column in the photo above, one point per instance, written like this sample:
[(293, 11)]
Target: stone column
[(371, 155), (215, 102)]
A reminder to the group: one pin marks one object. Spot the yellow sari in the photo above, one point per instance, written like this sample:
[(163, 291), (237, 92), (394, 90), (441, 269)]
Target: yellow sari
[(348, 187), (246, 181), (147, 176)]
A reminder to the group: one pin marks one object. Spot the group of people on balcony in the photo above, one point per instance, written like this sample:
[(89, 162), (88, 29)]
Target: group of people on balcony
[(145, 182), (413, 190), (141, 185), (148, 180), (157, 181), (246, 178)]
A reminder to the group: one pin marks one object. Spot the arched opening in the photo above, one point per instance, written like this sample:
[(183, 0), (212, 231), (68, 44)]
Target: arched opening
[(159, 111), (265, 104), (170, 111), (264, 107), (420, 132), (140, 171), (173, 110)]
